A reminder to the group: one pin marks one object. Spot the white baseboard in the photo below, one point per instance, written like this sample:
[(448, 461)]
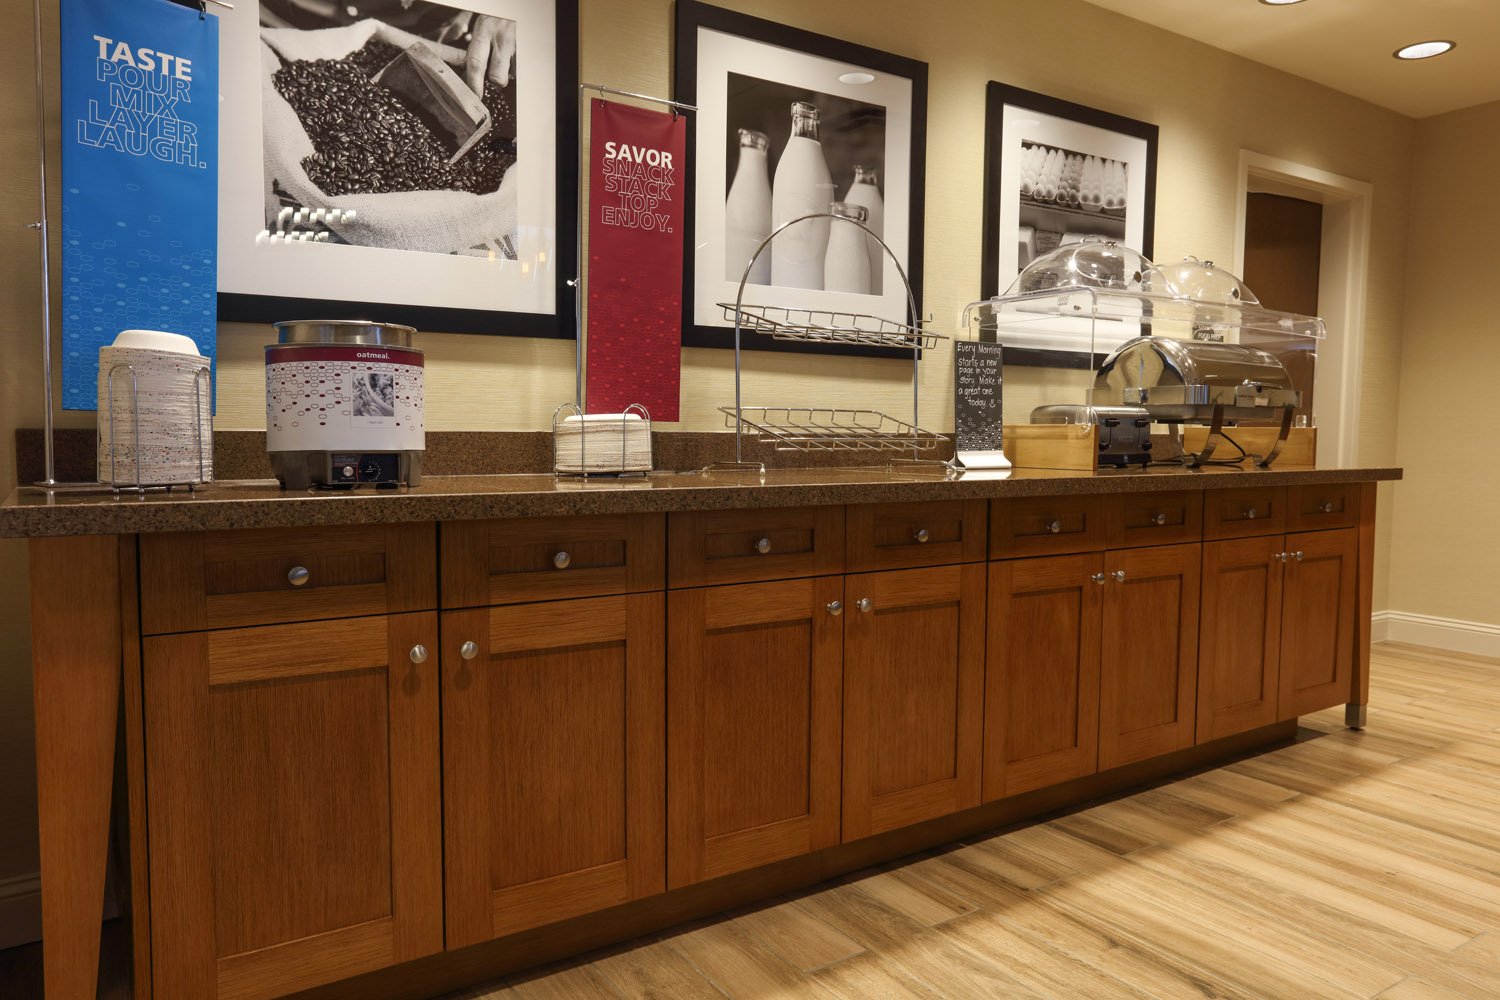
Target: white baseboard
[(20, 910), (1476, 638)]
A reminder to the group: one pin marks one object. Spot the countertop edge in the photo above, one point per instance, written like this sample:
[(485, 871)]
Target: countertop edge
[(22, 516)]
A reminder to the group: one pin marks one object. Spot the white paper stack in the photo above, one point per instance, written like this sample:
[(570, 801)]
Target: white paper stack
[(604, 442), (158, 399)]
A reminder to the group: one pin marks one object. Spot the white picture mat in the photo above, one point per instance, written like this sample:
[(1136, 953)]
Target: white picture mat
[(374, 274), (720, 54)]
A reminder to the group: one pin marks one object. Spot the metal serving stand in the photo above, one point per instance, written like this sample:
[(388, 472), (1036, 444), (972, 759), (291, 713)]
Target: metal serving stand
[(826, 429), (201, 386)]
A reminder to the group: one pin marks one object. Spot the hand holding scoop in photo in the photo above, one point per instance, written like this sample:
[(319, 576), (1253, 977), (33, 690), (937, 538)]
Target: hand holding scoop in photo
[(437, 95)]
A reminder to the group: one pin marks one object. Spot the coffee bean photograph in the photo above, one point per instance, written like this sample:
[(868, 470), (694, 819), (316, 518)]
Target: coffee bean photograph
[(401, 113)]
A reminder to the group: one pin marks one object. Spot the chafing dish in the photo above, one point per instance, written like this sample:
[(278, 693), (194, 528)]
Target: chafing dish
[(1199, 382)]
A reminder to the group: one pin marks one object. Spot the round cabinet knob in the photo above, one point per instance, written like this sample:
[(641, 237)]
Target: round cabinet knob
[(562, 560), (298, 576), (835, 608), (1297, 555), (865, 604), (1326, 507), (922, 535), (469, 650), (1054, 526), (1099, 578), (1119, 575), (419, 653), (763, 546), (1250, 513), (1158, 519), (1282, 556)]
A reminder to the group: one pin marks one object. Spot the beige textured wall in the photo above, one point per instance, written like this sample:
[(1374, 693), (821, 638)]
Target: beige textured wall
[(1447, 534), (1209, 105)]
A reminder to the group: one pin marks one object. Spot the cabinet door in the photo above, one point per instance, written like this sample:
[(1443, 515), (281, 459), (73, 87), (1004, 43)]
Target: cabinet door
[(1239, 642), (553, 774), (1149, 666), (1041, 700), (754, 682), (913, 692), (292, 777), (1317, 621)]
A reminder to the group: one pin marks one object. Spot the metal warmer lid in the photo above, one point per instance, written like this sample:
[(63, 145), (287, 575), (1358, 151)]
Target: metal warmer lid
[(344, 331), (1184, 380)]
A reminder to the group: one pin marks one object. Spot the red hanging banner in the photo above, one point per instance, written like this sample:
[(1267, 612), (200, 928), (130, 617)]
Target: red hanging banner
[(635, 259)]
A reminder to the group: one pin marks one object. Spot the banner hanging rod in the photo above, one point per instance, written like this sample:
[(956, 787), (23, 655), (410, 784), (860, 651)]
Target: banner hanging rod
[(601, 89)]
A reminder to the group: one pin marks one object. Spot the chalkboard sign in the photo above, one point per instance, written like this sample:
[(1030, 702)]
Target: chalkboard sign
[(976, 400)]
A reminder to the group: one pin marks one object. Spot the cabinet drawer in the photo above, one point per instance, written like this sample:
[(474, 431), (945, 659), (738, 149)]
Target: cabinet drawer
[(543, 558), (1311, 508), (1153, 519), (1240, 513), (903, 535), (1045, 526), (225, 579), (742, 546)]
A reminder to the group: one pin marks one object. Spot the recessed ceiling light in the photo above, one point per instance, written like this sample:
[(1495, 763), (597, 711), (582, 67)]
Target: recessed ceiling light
[(857, 79), (1280, 3), (1424, 50)]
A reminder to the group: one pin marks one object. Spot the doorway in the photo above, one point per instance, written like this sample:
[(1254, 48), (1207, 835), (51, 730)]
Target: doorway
[(1269, 192)]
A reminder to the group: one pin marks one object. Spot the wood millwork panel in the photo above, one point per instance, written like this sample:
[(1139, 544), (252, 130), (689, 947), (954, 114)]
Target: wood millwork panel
[(553, 743), (1149, 666), (1244, 512), (519, 560), (906, 535), (139, 901), (1140, 519), (1041, 702), (754, 702), (294, 808), (75, 676), (913, 696), (1317, 621), (1239, 639), (191, 581), (705, 548), (1044, 526), (1316, 508), (1359, 694)]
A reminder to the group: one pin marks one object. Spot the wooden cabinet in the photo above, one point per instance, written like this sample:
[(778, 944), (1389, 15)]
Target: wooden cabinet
[(1317, 621), (1149, 667), (913, 692), (1244, 512), (1046, 526), (1139, 519), (553, 767), (754, 693), (1314, 508), (1041, 700), (1278, 636), (707, 548), (293, 786)]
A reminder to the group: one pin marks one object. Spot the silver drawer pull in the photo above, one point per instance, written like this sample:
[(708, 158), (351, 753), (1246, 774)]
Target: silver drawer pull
[(835, 608), (562, 560), (1326, 507), (865, 604), (298, 576), (419, 653), (1158, 519), (469, 650), (922, 535), (1099, 578), (763, 546), (1297, 555), (1054, 526), (1119, 575), (1251, 513), (1282, 556)]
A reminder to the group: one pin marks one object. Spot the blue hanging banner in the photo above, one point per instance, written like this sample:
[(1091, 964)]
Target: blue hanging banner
[(140, 147)]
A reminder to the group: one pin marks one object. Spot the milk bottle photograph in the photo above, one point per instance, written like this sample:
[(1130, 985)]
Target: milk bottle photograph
[(865, 192), (846, 266), (747, 211), (802, 186)]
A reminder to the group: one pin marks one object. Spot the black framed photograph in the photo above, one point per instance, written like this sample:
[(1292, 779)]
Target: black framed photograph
[(792, 123), (410, 161), (1056, 173)]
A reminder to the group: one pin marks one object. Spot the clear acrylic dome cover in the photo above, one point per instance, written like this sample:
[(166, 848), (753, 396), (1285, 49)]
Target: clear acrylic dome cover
[(1199, 280), (1089, 263)]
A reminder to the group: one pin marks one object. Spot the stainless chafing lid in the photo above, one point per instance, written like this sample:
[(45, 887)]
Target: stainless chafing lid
[(1162, 361), (344, 331)]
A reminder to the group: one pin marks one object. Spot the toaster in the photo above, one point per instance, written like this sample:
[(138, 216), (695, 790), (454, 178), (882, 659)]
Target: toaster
[(1124, 431)]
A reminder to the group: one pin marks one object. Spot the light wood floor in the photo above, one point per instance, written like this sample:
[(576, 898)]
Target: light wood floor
[(1349, 865)]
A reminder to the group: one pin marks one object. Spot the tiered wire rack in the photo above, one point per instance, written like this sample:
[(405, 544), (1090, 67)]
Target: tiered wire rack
[(827, 429)]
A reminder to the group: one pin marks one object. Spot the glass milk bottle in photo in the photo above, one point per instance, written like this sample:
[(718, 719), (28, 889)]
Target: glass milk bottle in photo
[(865, 191), (747, 212), (846, 266), (802, 187)]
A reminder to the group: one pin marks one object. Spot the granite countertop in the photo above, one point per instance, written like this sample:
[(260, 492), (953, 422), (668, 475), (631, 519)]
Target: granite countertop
[(263, 504)]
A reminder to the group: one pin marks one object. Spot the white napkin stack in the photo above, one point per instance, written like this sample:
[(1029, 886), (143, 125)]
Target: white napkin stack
[(604, 442)]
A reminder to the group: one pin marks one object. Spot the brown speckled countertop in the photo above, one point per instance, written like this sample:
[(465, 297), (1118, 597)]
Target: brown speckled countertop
[(262, 504)]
